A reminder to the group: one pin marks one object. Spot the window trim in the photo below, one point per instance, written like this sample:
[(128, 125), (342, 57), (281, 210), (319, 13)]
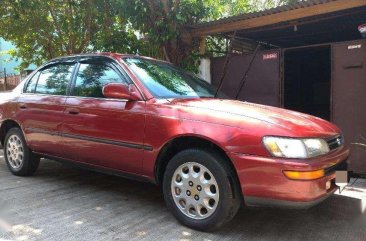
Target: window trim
[(29, 81), (73, 64), (76, 60), (43, 67), (109, 64), (26, 81)]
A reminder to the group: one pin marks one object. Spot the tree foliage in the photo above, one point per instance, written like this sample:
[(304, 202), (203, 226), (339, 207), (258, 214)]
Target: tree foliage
[(164, 22), (44, 29)]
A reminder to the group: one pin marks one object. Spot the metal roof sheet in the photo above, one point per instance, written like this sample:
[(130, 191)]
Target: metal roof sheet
[(283, 8)]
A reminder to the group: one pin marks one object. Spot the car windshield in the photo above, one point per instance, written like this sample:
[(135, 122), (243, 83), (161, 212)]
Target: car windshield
[(164, 80)]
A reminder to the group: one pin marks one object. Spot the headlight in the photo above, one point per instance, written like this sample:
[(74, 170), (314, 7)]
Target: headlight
[(295, 148)]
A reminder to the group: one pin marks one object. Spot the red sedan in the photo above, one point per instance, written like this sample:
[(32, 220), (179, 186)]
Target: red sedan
[(143, 118)]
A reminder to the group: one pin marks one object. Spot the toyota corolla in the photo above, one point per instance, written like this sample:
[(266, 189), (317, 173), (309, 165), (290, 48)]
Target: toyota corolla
[(146, 119)]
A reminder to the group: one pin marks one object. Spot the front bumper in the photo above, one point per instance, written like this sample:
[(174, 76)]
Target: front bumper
[(264, 184), (268, 202)]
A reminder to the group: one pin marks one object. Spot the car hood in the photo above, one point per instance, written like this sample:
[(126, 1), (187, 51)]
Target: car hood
[(292, 121)]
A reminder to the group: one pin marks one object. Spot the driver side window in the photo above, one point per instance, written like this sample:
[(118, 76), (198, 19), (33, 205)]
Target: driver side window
[(92, 77)]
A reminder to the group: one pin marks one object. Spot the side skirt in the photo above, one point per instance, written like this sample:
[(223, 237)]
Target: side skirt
[(99, 169)]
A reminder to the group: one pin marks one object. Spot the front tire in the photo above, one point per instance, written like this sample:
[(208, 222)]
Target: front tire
[(19, 158), (200, 189)]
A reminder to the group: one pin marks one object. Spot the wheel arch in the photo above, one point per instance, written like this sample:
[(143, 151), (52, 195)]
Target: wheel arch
[(6, 125), (180, 143)]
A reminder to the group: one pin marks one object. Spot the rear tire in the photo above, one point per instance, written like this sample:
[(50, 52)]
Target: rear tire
[(200, 189), (18, 157)]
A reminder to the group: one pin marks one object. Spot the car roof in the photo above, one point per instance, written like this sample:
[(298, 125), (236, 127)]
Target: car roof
[(115, 56)]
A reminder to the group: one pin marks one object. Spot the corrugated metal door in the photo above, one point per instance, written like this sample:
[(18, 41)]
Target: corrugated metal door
[(263, 82), (349, 98)]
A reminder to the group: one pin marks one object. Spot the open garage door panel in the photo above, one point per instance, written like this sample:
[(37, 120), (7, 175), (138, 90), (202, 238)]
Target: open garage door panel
[(307, 79), (349, 98), (263, 82)]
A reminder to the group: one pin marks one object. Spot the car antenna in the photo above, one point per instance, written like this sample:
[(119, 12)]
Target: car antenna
[(226, 64), (244, 79)]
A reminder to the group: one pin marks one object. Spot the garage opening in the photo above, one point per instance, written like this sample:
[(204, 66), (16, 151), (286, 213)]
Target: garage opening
[(307, 76)]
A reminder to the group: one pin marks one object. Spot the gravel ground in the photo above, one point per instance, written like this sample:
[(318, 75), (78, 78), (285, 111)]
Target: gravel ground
[(64, 203)]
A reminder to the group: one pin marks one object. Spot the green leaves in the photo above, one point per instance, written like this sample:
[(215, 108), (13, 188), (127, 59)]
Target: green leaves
[(163, 23), (45, 29)]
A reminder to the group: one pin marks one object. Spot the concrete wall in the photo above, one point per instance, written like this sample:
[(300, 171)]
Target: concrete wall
[(204, 70)]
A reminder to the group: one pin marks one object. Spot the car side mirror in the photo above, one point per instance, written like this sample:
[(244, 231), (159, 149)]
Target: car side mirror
[(121, 91)]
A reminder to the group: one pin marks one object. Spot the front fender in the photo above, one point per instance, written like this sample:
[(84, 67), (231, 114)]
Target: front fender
[(161, 130)]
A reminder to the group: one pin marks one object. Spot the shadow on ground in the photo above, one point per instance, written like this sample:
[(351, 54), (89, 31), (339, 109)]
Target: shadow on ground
[(63, 203)]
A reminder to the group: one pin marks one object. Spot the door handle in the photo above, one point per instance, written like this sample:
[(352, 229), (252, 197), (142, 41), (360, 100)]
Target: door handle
[(22, 106), (73, 111), (353, 66)]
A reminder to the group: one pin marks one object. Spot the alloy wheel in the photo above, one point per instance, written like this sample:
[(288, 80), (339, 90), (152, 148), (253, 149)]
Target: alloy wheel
[(15, 152), (195, 190)]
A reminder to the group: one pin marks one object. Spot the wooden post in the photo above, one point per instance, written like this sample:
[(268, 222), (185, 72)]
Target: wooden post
[(202, 47), (5, 81)]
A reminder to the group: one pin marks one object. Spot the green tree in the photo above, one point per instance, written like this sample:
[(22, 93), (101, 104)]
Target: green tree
[(45, 29), (235, 7), (163, 23)]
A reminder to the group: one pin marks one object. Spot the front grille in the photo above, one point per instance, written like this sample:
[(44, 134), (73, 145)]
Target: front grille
[(335, 142)]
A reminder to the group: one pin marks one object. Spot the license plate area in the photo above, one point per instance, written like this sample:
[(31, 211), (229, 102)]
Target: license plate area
[(341, 178)]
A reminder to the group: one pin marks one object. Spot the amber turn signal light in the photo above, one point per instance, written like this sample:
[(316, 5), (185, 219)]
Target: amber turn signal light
[(298, 175)]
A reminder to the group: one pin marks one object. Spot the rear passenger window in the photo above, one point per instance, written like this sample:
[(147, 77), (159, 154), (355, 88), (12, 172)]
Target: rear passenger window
[(92, 77), (55, 79), (31, 85)]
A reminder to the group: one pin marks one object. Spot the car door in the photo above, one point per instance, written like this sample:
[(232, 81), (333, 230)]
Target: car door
[(42, 106), (99, 131)]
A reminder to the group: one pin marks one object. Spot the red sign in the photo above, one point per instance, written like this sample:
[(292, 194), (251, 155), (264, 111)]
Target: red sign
[(270, 56), (362, 29)]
